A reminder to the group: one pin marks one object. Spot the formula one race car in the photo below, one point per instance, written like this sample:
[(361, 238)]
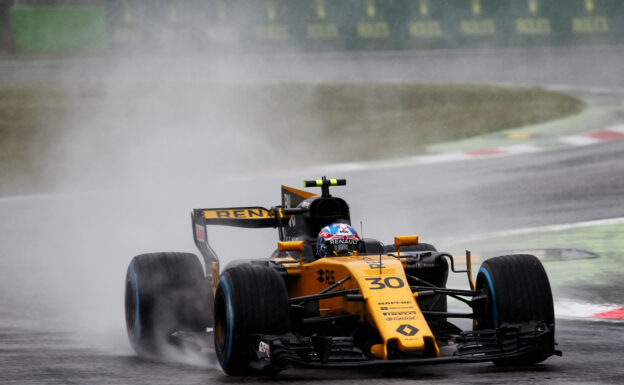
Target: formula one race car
[(327, 298)]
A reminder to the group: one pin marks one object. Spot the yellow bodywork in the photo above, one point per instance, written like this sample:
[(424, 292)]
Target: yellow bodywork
[(389, 305)]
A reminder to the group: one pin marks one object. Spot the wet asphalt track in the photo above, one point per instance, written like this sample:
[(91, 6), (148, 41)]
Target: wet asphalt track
[(591, 356), (62, 259)]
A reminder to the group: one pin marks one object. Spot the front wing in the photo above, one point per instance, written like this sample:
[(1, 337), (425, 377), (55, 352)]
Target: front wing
[(509, 342)]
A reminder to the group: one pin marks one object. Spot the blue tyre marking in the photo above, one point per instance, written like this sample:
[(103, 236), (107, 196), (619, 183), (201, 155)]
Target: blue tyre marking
[(137, 319), (494, 308), (230, 317)]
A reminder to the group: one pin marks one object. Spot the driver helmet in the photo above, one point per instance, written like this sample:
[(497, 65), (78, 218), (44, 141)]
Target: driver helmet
[(337, 239)]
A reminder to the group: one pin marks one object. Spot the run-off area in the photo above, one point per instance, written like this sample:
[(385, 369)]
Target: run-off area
[(584, 262)]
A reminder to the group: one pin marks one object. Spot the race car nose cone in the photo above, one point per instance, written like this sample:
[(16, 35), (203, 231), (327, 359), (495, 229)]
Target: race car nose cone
[(407, 330)]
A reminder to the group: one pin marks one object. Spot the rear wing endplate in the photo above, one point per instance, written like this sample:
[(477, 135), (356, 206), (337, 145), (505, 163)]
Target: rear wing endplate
[(248, 217), (253, 217)]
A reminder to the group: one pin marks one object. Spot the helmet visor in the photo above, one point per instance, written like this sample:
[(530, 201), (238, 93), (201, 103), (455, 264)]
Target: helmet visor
[(339, 246)]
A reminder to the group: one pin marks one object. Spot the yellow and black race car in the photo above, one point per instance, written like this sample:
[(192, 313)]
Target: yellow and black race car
[(327, 298)]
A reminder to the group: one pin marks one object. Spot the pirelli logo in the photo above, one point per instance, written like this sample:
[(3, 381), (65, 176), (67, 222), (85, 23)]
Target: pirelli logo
[(239, 213)]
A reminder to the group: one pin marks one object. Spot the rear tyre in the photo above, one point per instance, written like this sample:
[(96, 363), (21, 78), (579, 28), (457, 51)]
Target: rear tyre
[(517, 291), (250, 299), (165, 293)]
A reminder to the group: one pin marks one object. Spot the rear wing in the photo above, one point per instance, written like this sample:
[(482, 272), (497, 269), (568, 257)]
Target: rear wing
[(248, 217), (252, 217)]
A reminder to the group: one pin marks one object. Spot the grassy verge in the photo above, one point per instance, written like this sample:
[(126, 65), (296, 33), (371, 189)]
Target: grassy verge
[(30, 120), (342, 122), (425, 114), (597, 280)]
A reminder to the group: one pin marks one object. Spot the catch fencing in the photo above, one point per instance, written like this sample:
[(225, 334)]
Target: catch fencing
[(305, 25)]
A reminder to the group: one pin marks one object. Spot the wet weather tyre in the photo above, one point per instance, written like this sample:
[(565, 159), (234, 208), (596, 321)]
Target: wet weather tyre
[(517, 291), (165, 293), (250, 299)]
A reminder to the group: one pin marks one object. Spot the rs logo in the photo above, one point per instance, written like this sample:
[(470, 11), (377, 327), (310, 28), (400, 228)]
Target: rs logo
[(326, 276)]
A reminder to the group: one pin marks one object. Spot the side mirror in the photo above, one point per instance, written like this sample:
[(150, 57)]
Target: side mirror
[(404, 240), (292, 246)]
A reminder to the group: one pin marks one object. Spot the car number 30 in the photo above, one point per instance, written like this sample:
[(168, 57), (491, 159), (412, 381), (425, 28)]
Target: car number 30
[(381, 283)]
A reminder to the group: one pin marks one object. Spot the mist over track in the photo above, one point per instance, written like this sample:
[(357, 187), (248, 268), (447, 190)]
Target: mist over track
[(63, 257), (583, 67)]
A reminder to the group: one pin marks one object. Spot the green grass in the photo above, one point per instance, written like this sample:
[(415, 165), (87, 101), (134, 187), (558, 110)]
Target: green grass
[(598, 280), (356, 121), (391, 120)]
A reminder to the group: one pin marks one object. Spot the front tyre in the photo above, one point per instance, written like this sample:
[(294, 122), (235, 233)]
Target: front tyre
[(165, 293), (517, 290), (250, 299)]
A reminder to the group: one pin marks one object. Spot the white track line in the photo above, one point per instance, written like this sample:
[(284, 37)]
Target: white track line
[(572, 309), (539, 229), (14, 198), (521, 149), (619, 128), (579, 140)]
